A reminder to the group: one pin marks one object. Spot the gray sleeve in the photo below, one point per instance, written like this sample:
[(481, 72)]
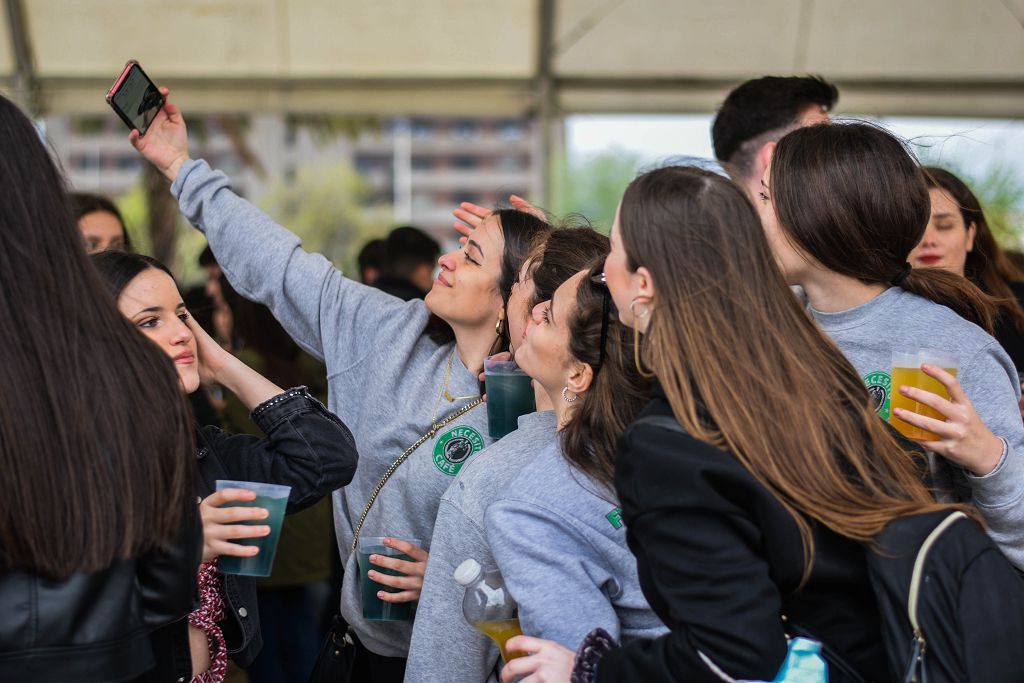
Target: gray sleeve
[(444, 647), (323, 311), (990, 381), (555, 574)]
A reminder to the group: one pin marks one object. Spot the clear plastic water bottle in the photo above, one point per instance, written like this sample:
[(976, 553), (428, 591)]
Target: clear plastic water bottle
[(487, 605)]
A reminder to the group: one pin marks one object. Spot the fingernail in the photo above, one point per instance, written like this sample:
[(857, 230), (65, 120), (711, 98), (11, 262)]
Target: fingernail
[(374, 558), (380, 594)]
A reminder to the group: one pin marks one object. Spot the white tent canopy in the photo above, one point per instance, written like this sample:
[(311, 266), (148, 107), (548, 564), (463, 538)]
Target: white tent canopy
[(551, 57)]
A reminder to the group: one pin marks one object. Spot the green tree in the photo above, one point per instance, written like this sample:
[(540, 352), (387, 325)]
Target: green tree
[(327, 208), (593, 185)]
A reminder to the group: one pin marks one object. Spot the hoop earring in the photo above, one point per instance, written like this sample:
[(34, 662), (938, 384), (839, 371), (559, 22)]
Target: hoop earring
[(636, 354), (632, 308), (565, 395), (499, 326)]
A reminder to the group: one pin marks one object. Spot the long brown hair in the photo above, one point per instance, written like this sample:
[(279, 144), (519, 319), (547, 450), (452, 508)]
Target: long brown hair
[(853, 198), (95, 435), (744, 367), (987, 266), (617, 391)]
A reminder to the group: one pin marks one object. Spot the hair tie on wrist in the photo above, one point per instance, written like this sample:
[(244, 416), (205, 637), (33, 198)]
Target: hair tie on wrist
[(901, 276)]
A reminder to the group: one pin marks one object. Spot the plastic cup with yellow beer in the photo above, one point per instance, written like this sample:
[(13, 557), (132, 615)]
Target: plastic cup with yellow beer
[(907, 372)]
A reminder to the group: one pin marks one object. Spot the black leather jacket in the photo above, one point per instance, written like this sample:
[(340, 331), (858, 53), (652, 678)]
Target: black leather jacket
[(92, 628), (306, 447)]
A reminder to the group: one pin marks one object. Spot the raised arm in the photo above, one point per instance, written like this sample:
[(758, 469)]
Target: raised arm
[(326, 313)]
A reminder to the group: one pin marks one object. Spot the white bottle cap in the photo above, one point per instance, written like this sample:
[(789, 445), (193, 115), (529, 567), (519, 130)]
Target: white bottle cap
[(467, 572)]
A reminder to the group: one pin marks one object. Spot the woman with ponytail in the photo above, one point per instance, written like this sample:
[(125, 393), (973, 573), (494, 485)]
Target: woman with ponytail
[(843, 206)]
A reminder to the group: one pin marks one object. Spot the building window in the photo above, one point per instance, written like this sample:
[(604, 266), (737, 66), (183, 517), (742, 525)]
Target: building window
[(422, 129), (465, 163), (421, 163), (511, 130), (465, 130)]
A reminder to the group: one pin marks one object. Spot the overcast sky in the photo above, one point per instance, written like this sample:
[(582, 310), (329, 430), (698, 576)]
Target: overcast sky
[(973, 144)]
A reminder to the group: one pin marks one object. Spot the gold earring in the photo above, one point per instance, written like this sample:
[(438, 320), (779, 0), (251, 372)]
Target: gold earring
[(499, 326), (636, 354)]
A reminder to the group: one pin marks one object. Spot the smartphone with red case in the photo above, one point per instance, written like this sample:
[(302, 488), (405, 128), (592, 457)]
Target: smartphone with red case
[(135, 98)]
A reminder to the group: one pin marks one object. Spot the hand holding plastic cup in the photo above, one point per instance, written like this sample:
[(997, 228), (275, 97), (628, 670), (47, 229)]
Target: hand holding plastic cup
[(509, 396), (274, 499), (375, 609), (906, 371)]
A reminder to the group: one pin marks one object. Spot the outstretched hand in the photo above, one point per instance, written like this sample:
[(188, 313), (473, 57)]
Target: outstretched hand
[(165, 144), (471, 215)]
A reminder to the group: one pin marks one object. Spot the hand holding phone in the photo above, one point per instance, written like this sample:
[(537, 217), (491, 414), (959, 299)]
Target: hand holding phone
[(135, 98)]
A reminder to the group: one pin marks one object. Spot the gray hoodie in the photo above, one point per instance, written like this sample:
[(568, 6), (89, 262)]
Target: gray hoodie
[(559, 541), (899, 320), (384, 376), (459, 535)]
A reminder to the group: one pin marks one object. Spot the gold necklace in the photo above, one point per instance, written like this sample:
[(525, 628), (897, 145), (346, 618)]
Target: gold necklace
[(444, 389)]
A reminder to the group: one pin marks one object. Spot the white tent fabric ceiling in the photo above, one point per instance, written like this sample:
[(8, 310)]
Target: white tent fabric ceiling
[(924, 57)]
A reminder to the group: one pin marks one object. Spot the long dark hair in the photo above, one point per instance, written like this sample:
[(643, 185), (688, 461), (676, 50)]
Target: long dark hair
[(987, 266), (95, 434), (520, 231), (852, 197), (617, 391), (118, 268), (725, 332)]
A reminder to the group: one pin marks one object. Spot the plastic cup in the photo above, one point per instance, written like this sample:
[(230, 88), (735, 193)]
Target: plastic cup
[(509, 395), (274, 499), (375, 609), (906, 371)]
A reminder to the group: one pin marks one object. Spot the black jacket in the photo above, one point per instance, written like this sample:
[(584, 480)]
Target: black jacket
[(306, 447), (95, 627), (720, 561)]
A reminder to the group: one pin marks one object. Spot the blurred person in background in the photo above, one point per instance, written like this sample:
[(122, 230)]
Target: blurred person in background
[(958, 239), (758, 113), (371, 261), (99, 536), (100, 222), (410, 259)]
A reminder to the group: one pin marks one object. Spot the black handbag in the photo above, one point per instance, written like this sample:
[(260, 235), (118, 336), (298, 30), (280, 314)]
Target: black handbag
[(337, 655)]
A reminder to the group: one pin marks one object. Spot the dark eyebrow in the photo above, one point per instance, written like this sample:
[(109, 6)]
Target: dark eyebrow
[(181, 304), (944, 214), (474, 243), (151, 309), (551, 308)]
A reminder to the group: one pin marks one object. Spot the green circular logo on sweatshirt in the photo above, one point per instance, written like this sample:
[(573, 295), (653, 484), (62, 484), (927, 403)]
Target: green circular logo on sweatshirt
[(879, 386), (453, 448)]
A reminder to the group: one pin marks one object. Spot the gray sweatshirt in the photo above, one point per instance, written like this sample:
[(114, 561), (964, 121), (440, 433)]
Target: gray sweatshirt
[(384, 376), (899, 320), (459, 535), (560, 543)]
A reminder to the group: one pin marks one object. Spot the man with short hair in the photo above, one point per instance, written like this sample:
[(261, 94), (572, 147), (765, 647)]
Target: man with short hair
[(408, 271), (758, 113)]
